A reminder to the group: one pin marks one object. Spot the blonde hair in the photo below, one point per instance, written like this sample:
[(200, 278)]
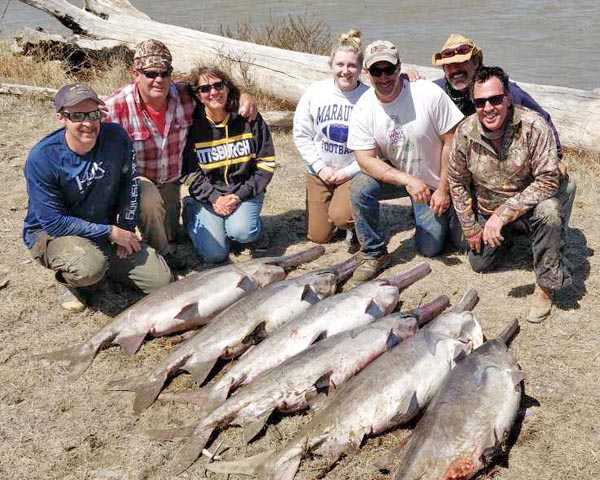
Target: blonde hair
[(349, 42)]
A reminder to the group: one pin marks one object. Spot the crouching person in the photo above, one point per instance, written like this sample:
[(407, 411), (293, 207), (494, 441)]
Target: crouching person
[(504, 177), (229, 161), (83, 203)]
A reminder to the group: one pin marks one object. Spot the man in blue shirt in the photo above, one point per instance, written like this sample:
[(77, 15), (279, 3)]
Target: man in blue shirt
[(83, 202)]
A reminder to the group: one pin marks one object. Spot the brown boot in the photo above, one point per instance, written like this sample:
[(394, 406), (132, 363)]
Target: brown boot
[(369, 267), (541, 305)]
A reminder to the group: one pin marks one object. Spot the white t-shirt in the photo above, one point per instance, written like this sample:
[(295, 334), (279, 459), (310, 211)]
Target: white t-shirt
[(408, 130), (321, 126)]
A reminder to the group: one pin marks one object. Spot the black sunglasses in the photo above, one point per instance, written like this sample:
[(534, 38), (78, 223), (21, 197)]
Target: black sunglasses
[(218, 86), (153, 74), (494, 100), (377, 72), (79, 117)]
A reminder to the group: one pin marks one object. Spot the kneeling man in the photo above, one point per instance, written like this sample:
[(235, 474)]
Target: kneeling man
[(83, 202), (504, 176)]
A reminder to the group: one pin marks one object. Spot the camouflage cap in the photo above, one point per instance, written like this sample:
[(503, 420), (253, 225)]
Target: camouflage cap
[(151, 53)]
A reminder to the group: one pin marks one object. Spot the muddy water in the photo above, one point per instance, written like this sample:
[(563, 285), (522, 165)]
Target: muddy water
[(549, 42)]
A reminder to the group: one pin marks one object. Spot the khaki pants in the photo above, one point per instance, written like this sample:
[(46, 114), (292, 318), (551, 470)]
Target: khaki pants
[(79, 262), (327, 209), (160, 207)]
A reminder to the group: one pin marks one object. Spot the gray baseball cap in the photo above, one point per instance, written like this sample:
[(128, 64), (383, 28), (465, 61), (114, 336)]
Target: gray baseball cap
[(74, 93)]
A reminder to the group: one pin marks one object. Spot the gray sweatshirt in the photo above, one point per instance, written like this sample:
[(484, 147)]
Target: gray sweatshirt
[(321, 126)]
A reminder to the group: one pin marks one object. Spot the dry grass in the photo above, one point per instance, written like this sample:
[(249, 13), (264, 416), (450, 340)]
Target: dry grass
[(302, 33)]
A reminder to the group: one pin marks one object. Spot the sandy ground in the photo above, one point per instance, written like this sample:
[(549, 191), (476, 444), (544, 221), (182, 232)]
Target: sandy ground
[(53, 428)]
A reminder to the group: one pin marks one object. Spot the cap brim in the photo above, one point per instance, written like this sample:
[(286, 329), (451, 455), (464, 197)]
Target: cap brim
[(384, 57)]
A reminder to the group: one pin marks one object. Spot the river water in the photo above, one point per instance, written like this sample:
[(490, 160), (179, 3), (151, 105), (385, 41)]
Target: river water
[(548, 42)]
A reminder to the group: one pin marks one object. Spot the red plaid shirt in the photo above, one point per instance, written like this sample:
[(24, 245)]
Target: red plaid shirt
[(158, 153)]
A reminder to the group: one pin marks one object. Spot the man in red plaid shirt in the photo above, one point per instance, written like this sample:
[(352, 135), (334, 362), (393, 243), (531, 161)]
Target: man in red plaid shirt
[(156, 113)]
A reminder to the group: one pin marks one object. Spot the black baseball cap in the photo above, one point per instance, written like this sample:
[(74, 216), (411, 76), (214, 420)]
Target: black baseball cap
[(74, 93)]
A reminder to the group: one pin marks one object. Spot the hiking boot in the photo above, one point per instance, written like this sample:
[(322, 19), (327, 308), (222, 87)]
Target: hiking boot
[(262, 243), (369, 267), (540, 305), (69, 299), (352, 241)]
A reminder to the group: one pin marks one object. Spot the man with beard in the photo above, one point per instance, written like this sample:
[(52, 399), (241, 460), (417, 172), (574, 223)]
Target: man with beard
[(461, 59), (83, 203), (504, 177), (401, 133)]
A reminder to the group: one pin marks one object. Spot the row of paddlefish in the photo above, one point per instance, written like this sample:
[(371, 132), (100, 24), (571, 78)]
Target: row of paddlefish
[(237, 328), (472, 407), (188, 303)]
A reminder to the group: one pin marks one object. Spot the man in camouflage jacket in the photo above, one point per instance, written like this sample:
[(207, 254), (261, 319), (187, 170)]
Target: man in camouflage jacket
[(504, 177)]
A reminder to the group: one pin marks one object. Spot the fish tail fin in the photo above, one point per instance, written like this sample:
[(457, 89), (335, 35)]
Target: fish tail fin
[(79, 357), (146, 390), (191, 450), (257, 465)]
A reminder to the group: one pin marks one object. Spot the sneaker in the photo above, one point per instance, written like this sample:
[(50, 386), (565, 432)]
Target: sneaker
[(540, 306), (69, 299), (174, 262), (262, 243), (369, 267), (352, 241)]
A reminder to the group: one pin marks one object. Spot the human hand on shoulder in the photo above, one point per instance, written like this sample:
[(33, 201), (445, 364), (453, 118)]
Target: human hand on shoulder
[(248, 106)]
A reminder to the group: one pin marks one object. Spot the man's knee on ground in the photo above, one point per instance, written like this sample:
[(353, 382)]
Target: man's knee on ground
[(480, 264), (216, 256), (243, 233)]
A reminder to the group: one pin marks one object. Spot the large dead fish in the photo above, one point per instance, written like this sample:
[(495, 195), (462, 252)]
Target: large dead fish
[(294, 385), (388, 392), (357, 307), (470, 418), (188, 303), (237, 328)]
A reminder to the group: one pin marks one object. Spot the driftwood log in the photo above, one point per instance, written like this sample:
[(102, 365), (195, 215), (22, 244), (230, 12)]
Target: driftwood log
[(282, 73)]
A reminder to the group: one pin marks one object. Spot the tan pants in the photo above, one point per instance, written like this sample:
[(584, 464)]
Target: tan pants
[(327, 209), (160, 207), (79, 262)]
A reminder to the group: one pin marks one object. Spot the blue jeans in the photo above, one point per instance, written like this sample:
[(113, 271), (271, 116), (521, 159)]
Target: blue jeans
[(431, 230), (211, 234)]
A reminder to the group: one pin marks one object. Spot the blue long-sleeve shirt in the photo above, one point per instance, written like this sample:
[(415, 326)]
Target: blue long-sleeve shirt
[(81, 195), (519, 97)]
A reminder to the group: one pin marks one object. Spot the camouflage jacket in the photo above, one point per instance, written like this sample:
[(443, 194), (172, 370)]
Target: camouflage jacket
[(508, 183)]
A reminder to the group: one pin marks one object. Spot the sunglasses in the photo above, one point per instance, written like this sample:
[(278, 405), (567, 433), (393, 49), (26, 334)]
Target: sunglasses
[(377, 72), (218, 86), (79, 117), (152, 74), (494, 100), (450, 52)]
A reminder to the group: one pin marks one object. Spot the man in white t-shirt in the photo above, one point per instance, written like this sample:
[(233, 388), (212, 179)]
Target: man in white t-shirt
[(401, 134)]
